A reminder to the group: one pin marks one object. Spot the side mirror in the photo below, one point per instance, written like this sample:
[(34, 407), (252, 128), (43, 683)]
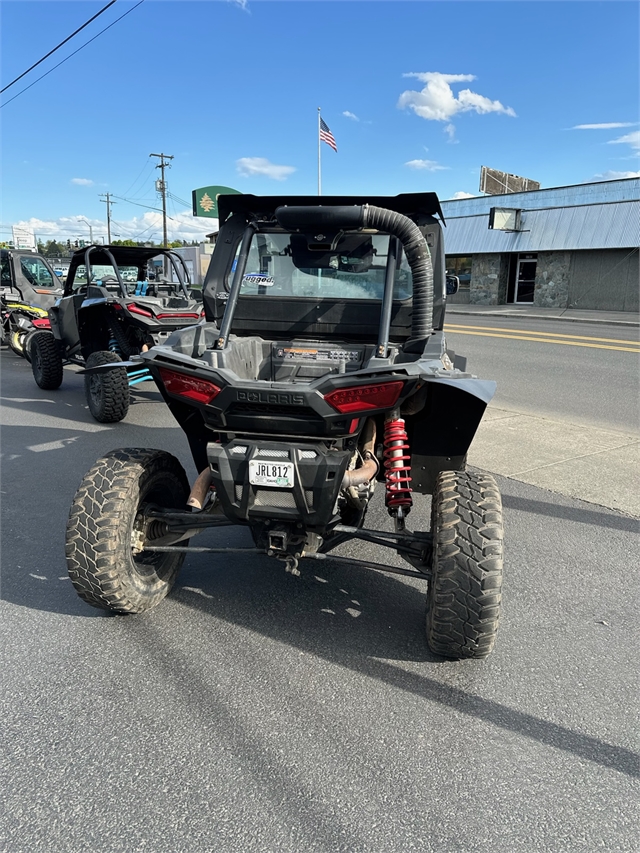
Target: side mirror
[(452, 285)]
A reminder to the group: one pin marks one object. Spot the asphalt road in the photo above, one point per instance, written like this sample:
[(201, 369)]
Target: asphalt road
[(256, 711), (584, 373)]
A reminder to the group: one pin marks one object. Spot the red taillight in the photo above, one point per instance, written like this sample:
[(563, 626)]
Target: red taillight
[(178, 316), (42, 323), (364, 397), (135, 309), (190, 387)]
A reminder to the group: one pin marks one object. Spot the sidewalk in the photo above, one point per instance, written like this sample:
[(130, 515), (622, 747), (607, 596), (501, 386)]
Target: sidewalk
[(576, 315), (596, 465)]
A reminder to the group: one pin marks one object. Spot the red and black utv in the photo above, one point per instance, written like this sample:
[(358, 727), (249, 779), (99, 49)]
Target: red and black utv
[(322, 372)]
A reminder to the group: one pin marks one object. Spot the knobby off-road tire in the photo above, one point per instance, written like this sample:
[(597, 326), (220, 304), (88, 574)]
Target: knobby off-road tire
[(107, 393), (464, 594), (105, 520), (46, 361)]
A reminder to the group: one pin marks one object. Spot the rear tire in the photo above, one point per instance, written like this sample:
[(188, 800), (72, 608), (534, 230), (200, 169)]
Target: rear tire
[(46, 361), (464, 594), (104, 521), (107, 393)]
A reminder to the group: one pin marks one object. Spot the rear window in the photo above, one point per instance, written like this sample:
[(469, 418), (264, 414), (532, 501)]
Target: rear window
[(354, 268)]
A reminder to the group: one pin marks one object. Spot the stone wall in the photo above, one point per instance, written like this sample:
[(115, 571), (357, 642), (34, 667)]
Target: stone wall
[(552, 280), (488, 284)]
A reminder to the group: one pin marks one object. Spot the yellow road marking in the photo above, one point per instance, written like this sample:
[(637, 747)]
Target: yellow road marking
[(549, 341), (546, 334)]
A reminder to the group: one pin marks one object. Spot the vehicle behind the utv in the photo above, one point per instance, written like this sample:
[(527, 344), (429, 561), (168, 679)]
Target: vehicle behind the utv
[(321, 370)]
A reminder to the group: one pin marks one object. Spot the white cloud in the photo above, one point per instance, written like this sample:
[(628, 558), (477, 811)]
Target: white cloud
[(450, 130), (426, 165), (616, 176), (249, 166), (632, 139), (180, 226), (350, 115), (605, 126), (82, 182), (437, 102), (462, 194)]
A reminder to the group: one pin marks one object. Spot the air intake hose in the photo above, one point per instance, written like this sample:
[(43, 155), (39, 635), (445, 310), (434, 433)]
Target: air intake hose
[(348, 217), (419, 258)]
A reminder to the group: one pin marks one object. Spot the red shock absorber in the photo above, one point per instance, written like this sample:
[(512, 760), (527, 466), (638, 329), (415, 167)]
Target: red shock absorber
[(397, 467)]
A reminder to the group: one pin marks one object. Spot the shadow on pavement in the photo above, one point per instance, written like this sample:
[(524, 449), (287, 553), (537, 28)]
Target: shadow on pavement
[(310, 615), (581, 514)]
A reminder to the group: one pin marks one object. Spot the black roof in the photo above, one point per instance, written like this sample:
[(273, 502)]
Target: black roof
[(122, 255), (259, 206)]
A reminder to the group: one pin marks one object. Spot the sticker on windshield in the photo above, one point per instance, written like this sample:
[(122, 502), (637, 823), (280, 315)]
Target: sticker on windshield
[(259, 278)]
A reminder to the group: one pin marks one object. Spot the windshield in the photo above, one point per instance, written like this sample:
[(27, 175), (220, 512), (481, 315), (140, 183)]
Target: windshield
[(353, 267), (105, 274)]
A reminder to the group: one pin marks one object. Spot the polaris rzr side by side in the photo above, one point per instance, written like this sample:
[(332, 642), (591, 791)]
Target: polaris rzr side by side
[(110, 310), (321, 373)]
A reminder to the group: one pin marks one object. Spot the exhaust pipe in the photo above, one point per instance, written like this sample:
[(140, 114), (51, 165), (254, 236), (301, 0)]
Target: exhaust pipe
[(200, 489), (366, 472)]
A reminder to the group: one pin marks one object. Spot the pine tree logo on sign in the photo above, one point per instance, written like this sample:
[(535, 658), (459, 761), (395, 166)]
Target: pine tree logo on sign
[(206, 203)]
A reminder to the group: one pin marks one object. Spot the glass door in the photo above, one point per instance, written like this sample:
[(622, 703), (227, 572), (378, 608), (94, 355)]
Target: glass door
[(525, 278)]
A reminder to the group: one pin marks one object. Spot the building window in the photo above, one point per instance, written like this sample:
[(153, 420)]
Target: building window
[(459, 265)]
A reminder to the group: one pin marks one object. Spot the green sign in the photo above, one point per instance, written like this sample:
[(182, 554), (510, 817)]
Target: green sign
[(205, 200)]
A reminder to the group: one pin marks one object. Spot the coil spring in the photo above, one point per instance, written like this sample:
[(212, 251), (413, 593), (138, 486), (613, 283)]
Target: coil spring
[(114, 346), (397, 467)]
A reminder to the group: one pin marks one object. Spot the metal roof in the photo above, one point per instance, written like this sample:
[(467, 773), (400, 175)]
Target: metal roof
[(604, 215)]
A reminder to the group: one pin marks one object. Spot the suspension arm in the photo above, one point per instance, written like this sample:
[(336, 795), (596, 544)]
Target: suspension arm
[(345, 561), (366, 564), (415, 545)]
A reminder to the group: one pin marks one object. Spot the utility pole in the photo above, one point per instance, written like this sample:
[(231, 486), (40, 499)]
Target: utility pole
[(108, 202), (163, 189)]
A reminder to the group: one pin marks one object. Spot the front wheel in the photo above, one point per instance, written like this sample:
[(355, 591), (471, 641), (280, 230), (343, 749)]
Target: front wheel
[(107, 530), (107, 393), (464, 594)]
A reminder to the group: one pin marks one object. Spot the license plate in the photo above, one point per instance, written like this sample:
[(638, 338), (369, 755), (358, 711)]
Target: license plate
[(268, 472)]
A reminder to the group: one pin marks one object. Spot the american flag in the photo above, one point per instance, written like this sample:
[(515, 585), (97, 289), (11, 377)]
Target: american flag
[(326, 135)]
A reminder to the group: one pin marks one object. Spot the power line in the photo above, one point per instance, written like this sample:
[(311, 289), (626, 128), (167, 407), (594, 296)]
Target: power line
[(128, 200), (146, 166), (58, 46), (179, 200), (71, 54)]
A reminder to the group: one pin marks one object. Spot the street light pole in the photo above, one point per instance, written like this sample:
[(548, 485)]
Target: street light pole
[(90, 229)]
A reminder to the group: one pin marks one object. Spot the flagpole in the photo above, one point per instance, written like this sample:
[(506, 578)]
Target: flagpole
[(319, 158)]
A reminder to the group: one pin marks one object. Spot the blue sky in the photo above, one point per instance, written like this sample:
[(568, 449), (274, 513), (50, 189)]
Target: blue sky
[(419, 95)]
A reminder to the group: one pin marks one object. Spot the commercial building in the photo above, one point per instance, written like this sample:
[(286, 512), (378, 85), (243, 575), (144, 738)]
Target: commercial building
[(565, 247)]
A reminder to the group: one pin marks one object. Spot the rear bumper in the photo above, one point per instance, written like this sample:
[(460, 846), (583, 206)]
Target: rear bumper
[(311, 500)]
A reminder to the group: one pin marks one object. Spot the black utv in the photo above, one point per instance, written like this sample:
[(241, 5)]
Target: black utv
[(112, 309), (322, 372), (29, 287)]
